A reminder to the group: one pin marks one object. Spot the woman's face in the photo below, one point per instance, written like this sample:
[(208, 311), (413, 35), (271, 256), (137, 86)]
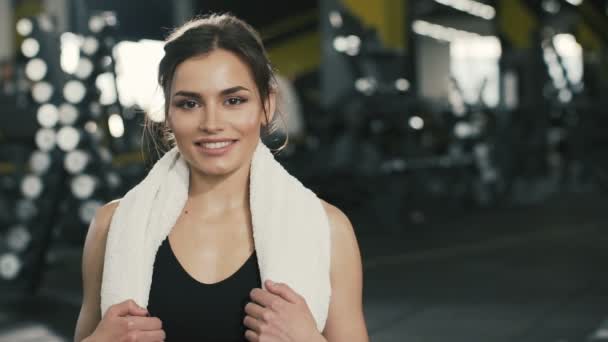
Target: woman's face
[(216, 113)]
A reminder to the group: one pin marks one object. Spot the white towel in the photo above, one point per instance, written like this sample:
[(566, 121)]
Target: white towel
[(290, 231)]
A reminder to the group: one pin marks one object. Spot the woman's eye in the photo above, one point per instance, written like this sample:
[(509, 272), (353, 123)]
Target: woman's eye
[(233, 101), (187, 104)]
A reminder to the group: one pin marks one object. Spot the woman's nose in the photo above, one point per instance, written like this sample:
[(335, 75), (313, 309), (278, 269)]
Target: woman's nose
[(210, 119)]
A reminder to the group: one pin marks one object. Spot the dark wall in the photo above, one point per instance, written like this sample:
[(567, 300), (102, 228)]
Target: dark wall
[(258, 13), (149, 19), (152, 19)]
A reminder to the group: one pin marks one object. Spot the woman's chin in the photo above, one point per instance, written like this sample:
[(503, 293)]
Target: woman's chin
[(213, 170)]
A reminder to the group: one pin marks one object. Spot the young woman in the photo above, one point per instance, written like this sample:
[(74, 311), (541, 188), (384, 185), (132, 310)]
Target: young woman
[(219, 95)]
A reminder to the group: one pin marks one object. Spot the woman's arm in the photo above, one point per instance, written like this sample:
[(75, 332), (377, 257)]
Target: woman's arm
[(345, 321), (92, 269)]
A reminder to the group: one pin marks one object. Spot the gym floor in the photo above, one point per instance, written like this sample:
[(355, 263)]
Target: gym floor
[(530, 274)]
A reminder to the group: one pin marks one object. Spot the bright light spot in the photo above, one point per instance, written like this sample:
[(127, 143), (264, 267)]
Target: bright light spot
[(560, 82), (96, 24), (18, 238), (68, 138), (335, 19), (365, 85), (40, 162), (30, 47), (352, 45), (31, 186), (84, 68), (106, 61), (90, 127), (106, 84), (90, 45), (549, 56), (113, 179), (116, 126), (75, 161), (68, 114), (463, 130), (45, 139), (24, 27), (473, 61), (158, 114), (47, 115), (440, 32), (566, 45), (416, 122), (402, 84), (45, 22), (74, 91), (571, 53), (349, 45), (555, 71), (70, 51), (551, 6), (42, 92), (137, 72), (35, 69), (575, 2), (110, 18), (476, 47), (340, 44), (83, 186), (471, 7), (565, 95), (10, 265)]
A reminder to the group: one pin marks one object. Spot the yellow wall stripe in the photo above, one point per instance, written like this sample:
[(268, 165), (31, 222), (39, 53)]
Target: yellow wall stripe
[(388, 17), (516, 22), (298, 55)]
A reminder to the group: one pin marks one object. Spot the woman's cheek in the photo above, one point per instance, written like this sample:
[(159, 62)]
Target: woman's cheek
[(248, 121), (183, 125)]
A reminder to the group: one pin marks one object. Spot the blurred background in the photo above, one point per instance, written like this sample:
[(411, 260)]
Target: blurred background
[(466, 140)]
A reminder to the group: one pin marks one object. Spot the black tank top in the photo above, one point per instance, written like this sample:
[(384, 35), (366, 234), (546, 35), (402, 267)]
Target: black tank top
[(194, 311)]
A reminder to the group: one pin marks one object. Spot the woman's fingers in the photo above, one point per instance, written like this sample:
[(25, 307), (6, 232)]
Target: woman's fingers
[(147, 335), (254, 310), (143, 323), (128, 307), (252, 324)]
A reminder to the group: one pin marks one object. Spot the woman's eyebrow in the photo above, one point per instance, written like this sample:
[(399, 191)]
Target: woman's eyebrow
[(198, 96), (233, 90), (190, 94)]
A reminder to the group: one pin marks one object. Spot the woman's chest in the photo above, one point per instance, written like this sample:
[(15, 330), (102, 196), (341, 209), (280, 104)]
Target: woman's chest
[(191, 310), (211, 251)]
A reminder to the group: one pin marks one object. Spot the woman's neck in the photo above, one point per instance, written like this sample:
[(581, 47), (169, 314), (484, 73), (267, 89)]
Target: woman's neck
[(217, 195)]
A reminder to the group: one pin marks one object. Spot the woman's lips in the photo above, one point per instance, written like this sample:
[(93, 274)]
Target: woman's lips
[(215, 149)]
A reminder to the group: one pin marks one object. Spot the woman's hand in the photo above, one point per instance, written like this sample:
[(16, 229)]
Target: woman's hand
[(127, 322), (279, 314)]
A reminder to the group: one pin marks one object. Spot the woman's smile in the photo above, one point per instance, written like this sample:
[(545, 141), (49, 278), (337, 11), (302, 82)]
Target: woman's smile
[(215, 148)]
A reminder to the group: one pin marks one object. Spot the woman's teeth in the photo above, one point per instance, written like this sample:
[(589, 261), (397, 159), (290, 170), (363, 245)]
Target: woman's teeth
[(216, 144)]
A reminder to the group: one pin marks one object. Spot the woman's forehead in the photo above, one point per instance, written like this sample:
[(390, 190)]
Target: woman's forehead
[(212, 72)]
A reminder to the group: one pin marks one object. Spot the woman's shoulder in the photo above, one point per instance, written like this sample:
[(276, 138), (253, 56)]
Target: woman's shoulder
[(104, 214), (346, 265), (99, 227), (337, 218), (342, 231)]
